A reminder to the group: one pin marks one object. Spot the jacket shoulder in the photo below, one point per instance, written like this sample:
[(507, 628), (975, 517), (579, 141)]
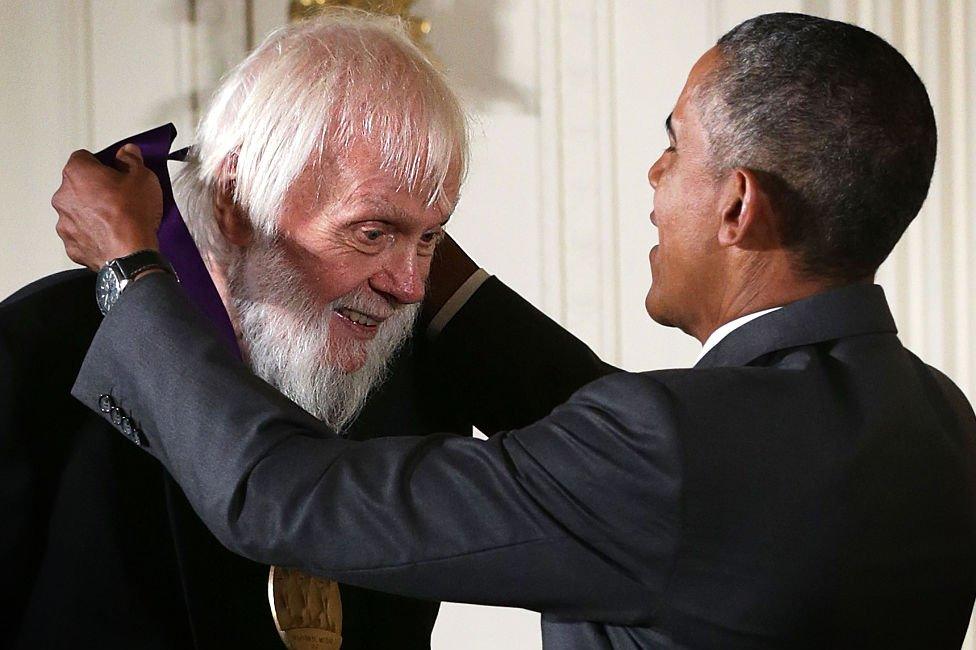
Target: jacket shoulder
[(635, 402), (53, 288), (950, 393), (50, 320), (650, 384)]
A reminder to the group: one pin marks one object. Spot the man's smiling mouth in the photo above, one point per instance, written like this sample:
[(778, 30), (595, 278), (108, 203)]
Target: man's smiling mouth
[(358, 317)]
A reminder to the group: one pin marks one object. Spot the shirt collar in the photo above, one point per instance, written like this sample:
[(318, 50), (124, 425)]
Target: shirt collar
[(851, 310), (728, 328)]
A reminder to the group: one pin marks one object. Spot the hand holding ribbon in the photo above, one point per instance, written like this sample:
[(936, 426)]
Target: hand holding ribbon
[(104, 211), (111, 204)]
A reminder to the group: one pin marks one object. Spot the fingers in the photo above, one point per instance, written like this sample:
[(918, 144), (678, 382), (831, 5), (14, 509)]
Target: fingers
[(75, 240), (105, 213), (128, 158), (63, 228), (56, 200), (72, 247), (130, 149), (61, 197), (81, 159)]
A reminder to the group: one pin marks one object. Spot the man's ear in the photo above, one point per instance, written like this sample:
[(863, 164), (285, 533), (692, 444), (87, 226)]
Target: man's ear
[(747, 220), (231, 218)]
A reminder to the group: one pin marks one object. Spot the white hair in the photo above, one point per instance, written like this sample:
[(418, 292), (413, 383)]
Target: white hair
[(303, 97)]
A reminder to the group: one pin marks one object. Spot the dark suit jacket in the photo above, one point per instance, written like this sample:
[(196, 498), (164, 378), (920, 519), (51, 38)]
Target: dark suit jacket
[(810, 484), (101, 548)]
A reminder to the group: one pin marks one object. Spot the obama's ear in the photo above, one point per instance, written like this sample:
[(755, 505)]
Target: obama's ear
[(748, 219), (231, 218)]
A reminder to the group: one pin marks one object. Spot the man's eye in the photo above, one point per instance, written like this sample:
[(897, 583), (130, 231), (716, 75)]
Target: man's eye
[(372, 238), (428, 242), (669, 149)]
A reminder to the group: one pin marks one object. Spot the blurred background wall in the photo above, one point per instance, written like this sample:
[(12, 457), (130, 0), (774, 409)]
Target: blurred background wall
[(568, 100)]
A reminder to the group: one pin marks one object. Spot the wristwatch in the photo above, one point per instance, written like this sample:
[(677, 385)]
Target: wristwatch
[(117, 274)]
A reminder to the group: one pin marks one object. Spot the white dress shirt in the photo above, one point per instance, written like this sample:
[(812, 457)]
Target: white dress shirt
[(728, 328)]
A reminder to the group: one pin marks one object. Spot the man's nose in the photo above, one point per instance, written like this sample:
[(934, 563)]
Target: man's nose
[(403, 277)]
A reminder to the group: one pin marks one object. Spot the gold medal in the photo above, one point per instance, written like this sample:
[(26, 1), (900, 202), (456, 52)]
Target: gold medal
[(307, 610)]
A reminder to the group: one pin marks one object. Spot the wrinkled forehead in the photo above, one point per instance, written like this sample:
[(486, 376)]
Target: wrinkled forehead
[(342, 104), (419, 146), (429, 178), (362, 177)]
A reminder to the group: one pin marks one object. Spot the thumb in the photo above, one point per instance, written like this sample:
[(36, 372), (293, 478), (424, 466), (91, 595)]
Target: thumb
[(130, 156)]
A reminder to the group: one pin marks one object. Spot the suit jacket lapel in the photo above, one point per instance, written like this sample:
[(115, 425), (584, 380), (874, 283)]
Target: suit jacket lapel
[(847, 311)]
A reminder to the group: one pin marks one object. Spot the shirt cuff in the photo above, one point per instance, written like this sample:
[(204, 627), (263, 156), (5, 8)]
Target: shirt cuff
[(455, 302)]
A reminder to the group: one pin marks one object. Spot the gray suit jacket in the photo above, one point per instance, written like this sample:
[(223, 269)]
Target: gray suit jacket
[(810, 484)]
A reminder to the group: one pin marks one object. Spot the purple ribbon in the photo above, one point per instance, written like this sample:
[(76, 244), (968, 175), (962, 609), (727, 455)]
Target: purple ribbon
[(175, 241)]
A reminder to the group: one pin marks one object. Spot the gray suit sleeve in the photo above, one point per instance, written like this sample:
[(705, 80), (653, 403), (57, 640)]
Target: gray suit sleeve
[(574, 515)]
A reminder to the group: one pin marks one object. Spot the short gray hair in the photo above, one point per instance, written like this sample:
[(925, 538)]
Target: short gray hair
[(307, 93), (839, 125)]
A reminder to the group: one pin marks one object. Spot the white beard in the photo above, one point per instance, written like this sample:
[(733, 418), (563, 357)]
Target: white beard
[(285, 336)]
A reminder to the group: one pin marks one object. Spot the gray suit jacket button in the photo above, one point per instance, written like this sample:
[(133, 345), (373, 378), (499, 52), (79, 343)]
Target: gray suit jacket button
[(105, 403), (116, 414), (131, 431)]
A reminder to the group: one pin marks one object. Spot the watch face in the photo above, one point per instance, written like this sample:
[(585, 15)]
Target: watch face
[(106, 288)]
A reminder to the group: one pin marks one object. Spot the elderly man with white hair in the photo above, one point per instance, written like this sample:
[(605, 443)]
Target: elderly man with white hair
[(323, 173)]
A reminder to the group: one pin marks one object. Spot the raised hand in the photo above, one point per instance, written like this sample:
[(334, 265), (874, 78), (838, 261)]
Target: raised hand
[(105, 212)]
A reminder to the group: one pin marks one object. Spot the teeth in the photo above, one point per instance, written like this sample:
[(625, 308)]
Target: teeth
[(357, 317)]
